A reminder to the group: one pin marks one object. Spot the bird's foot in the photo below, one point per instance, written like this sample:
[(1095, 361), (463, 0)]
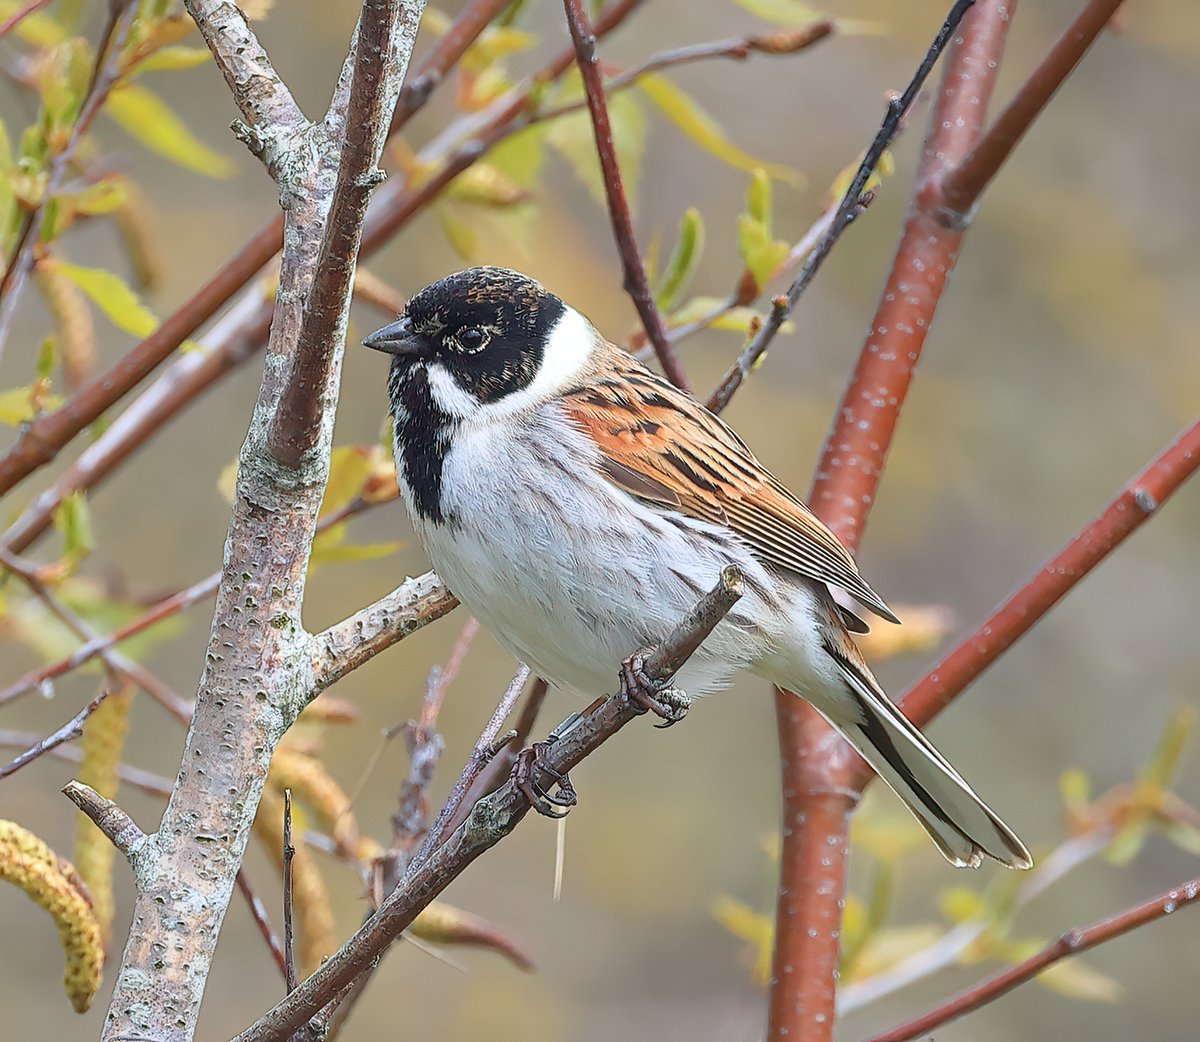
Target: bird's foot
[(648, 695), (529, 764)]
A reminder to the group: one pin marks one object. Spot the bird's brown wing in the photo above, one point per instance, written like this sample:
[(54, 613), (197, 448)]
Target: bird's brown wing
[(661, 446)]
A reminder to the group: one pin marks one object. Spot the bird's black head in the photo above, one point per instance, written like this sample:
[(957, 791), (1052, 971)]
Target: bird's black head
[(476, 337)]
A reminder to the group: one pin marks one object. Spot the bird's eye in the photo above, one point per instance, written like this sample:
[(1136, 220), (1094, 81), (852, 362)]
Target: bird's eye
[(473, 339)]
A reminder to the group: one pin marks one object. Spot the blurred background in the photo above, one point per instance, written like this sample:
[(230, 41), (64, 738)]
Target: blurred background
[(1064, 357)]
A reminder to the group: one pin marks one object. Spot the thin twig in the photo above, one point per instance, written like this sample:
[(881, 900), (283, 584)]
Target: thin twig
[(964, 184), (19, 15), (164, 609), (1070, 943), (289, 931), (41, 440), (69, 731), (110, 819), (848, 209), (105, 72), (490, 821), (154, 784), (636, 283), (258, 912), (118, 663)]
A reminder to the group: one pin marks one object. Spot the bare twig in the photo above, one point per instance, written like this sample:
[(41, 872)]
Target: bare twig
[(41, 441), (104, 75), (118, 826), (965, 183), (848, 209), (1070, 943), (270, 115), (19, 15), (1137, 502), (636, 283), (816, 801), (289, 932), (164, 609), (345, 646), (241, 332), (258, 913), (490, 821), (118, 663), (258, 664), (71, 730)]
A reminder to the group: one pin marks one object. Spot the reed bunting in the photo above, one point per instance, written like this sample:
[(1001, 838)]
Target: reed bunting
[(579, 505)]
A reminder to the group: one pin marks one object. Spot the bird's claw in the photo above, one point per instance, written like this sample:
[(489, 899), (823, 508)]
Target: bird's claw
[(528, 764), (646, 694)]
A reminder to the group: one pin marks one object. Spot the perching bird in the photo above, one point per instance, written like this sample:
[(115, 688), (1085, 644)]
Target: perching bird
[(579, 505)]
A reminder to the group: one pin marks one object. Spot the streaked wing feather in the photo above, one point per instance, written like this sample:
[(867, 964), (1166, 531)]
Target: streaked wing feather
[(663, 447)]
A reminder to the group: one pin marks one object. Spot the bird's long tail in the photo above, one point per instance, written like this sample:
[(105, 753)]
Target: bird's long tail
[(964, 828)]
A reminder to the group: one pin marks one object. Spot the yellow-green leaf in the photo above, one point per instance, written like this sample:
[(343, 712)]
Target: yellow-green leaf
[(349, 468), (1077, 980), (759, 930), (351, 551), (39, 28), (177, 57), (18, 404), (573, 138), (758, 197), (227, 481), (144, 115), (520, 157), (1160, 769), (762, 254), (100, 197), (684, 260), (113, 296), (461, 235), (960, 903), (73, 520), (794, 12), (884, 168), (685, 112)]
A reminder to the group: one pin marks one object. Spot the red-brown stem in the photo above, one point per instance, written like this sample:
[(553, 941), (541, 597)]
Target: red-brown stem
[(816, 798), (258, 913), (43, 438), (382, 223), (963, 185), (636, 283), (19, 15), (1071, 943), (1133, 507)]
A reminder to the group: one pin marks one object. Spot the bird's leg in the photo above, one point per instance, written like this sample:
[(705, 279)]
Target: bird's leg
[(530, 761), (657, 696)]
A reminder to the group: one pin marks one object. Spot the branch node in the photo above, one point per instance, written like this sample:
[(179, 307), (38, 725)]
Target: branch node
[(110, 819)]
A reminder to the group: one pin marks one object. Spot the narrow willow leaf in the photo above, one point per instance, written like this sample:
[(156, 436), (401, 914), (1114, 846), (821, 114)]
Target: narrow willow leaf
[(685, 258), (145, 116), (177, 57), (572, 137), (1078, 980), (18, 405), (762, 254), (111, 294), (686, 113), (462, 236), (758, 197), (40, 28), (73, 520)]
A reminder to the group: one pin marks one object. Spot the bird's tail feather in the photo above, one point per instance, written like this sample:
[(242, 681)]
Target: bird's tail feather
[(964, 828)]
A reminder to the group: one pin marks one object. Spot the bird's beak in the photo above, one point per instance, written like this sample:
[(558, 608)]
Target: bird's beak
[(398, 338)]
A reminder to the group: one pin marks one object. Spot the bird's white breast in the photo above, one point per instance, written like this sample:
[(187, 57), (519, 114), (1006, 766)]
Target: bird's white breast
[(572, 574)]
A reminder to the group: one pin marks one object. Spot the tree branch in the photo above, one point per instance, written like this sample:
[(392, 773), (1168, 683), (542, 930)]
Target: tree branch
[(964, 184), (489, 821), (272, 117), (118, 826), (69, 731), (1071, 943), (258, 667), (41, 440), (348, 644), (816, 802), (636, 283), (105, 73)]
